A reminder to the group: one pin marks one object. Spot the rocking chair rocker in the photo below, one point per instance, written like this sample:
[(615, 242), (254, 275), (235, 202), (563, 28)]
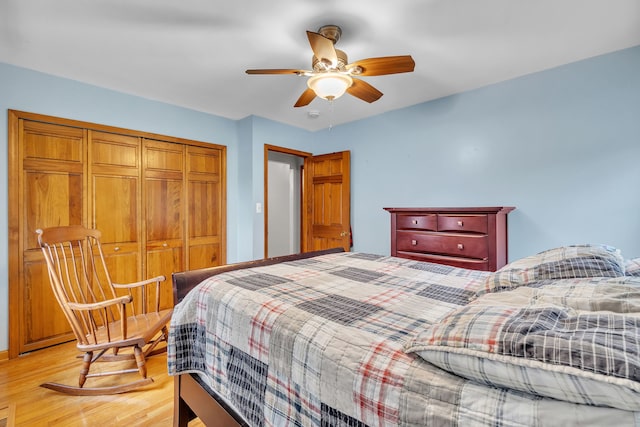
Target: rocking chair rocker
[(102, 318)]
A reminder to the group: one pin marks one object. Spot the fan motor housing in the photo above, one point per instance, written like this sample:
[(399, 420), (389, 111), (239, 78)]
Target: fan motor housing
[(319, 66)]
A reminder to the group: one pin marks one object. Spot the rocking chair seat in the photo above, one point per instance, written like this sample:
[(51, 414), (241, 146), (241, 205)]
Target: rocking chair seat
[(141, 329)]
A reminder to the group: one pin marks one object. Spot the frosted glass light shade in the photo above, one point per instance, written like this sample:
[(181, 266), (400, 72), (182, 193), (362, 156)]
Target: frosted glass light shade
[(330, 85)]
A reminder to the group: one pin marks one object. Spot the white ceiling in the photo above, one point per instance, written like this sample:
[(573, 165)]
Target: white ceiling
[(193, 53)]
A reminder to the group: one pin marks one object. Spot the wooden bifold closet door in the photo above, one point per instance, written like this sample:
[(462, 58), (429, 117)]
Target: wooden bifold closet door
[(164, 205), (114, 202), (159, 201)]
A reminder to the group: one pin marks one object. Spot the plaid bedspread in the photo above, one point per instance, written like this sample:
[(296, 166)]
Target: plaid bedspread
[(320, 342)]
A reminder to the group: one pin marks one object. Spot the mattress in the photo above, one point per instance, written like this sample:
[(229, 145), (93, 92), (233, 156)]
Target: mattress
[(324, 341)]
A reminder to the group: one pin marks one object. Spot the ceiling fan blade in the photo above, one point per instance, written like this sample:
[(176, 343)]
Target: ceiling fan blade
[(384, 65), (276, 71), (363, 90), (306, 98), (323, 48)]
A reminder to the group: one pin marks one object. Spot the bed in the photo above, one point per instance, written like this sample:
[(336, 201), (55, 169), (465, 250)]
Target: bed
[(355, 339)]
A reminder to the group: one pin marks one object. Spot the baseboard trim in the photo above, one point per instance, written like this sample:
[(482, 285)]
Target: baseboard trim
[(4, 355)]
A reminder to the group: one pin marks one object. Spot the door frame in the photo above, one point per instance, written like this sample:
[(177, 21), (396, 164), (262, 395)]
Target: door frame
[(284, 150)]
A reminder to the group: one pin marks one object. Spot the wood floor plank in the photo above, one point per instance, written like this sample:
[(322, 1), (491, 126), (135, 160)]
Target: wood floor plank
[(33, 405)]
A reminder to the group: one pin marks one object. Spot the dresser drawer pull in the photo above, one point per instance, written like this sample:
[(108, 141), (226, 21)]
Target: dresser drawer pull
[(460, 246), (415, 222), (414, 242), (460, 223), (116, 249)]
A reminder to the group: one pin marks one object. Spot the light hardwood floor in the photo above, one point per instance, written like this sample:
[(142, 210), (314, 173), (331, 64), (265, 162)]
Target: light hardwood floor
[(36, 406)]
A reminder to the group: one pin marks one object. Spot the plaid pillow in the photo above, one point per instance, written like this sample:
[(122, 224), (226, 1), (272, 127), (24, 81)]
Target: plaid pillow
[(549, 341), (632, 267), (565, 262)]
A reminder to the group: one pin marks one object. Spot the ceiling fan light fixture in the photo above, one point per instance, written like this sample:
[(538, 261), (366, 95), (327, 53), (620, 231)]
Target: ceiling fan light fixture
[(330, 86), (332, 74)]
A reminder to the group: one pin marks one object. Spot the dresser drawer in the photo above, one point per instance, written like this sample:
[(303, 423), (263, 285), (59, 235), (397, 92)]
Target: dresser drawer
[(463, 223), (470, 263), (458, 245), (417, 222)]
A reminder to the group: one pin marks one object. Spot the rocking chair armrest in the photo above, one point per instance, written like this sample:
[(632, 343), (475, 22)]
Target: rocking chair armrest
[(102, 304), (138, 284)]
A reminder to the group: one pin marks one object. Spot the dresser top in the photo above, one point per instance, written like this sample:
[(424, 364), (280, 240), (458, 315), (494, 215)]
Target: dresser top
[(466, 209)]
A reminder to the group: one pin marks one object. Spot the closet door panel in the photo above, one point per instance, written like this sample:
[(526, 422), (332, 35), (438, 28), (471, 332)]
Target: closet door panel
[(164, 260), (115, 208), (165, 242), (205, 195), (164, 199), (43, 323), (120, 152), (204, 255), (51, 199), (204, 208), (52, 142), (52, 173), (165, 204), (204, 224), (115, 202)]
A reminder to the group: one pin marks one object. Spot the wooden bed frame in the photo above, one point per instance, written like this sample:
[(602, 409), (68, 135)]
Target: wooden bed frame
[(191, 398)]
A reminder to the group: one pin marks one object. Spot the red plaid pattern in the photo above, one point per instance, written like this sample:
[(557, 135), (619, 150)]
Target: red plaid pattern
[(386, 297), (261, 326), (379, 383), (286, 401)]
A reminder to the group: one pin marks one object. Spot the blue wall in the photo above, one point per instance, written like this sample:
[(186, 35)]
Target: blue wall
[(26, 90), (561, 145)]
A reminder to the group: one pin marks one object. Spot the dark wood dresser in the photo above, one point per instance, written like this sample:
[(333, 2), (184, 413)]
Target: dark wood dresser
[(468, 237)]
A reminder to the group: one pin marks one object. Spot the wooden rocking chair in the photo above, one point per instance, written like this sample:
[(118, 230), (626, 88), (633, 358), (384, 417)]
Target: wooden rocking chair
[(101, 319)]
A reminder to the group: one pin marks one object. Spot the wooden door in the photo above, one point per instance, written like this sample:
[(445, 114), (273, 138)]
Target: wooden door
[(130, 185), (49, 167), (206, 199), (115, 184), (326, 203), (164, 203)]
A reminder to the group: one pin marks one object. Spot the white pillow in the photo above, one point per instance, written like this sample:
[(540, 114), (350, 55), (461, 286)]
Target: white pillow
[(559, 263), (543, 342)]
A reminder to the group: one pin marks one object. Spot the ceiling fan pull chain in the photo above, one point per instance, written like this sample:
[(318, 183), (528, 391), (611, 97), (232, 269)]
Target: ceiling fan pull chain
[(330, 114)]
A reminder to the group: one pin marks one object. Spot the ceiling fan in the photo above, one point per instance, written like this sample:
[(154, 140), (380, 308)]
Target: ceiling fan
[(333, 75)]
